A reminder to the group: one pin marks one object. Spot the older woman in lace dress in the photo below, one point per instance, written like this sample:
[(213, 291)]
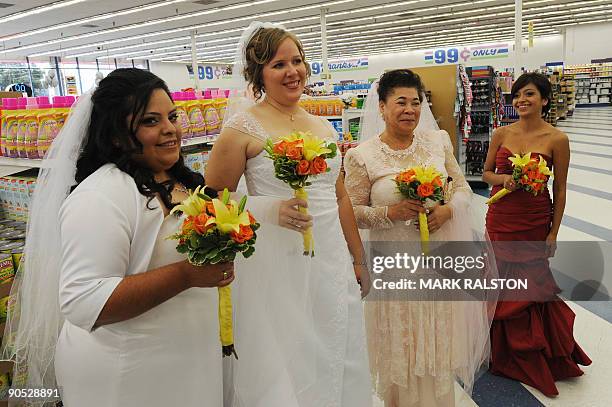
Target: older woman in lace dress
[(416, 347)]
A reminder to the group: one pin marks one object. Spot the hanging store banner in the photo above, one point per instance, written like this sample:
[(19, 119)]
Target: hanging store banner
[(355, 64), (210, 72), (71, 86), (464, 55)]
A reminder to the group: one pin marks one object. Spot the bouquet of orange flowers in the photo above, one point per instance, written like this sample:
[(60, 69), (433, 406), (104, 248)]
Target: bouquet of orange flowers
[(422, 184), (296, 158), (529, 174), (215, 231)]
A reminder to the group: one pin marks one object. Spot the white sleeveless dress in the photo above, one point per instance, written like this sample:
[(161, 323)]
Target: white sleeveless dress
[(168, 356), (299, 328)]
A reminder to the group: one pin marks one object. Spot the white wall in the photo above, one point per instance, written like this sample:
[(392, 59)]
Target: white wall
[(587, 42), (583, 43)]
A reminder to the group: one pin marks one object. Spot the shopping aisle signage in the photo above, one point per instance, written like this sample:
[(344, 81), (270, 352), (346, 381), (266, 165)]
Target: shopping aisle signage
[(209, 72), (71, 86), (466, 54), (356, 64)]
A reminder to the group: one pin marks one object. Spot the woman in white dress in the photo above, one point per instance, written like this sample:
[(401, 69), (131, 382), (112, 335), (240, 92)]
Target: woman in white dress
[(417, 348), (299, 329), (139, 324)]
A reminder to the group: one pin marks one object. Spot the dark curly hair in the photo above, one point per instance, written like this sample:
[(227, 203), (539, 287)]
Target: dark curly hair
[(538, 80), (111, 139), (260, 50), (399, 78)]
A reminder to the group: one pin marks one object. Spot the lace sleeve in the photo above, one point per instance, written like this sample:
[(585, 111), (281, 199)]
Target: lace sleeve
[(461, 193), (246, 123), (358, 186)]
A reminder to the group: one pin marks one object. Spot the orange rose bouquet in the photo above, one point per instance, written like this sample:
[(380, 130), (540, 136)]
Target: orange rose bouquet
[(296, 158), (215, 231), (422, 184), (529, 174)]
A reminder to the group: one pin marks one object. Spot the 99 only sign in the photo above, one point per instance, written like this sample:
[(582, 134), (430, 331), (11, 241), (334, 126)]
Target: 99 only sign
[(447, 56), (454, 55)]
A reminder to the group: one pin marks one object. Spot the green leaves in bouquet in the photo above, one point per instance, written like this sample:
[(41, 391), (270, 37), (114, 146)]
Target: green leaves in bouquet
[(285, 170), (334, 151), (409, 190)]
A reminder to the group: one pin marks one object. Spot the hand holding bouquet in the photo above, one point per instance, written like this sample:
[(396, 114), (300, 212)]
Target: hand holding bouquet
[(215, 231), (422, 184), (529, 174), (296, 158)]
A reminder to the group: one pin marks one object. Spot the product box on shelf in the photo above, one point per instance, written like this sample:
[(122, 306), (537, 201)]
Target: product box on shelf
[(15, 196), (196, 161)]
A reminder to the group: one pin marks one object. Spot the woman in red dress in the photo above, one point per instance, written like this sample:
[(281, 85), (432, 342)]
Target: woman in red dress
[(532, 338)]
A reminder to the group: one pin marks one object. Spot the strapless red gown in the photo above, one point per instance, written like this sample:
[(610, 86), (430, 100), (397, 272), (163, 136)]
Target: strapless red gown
[(531, 341)]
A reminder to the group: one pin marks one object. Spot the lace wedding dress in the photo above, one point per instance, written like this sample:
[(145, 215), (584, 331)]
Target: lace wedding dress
[(299, 328), (416, 348)]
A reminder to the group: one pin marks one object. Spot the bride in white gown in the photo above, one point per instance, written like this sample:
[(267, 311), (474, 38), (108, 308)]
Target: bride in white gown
[(299, 328)]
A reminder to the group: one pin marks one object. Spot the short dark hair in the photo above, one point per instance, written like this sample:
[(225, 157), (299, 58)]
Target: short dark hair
[(538, 80), (111, 139), (399, 78)]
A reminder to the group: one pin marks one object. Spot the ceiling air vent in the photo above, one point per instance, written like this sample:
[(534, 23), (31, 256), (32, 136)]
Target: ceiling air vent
[(205, 2), (6, 5)]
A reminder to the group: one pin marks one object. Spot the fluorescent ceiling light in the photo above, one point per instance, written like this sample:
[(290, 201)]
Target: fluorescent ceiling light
[(188, 28), (296, 29), (37, 10), (89, 20)]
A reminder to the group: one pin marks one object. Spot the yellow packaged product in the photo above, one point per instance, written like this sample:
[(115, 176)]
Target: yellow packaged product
[(7, 270), (48, 127), (21, 131), (196, 118), (221, 106), (211, 117)]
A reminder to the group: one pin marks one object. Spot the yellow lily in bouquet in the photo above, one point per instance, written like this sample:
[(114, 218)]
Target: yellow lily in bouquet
[(422, 184), (214, 231), (529, 174), (297, 157)]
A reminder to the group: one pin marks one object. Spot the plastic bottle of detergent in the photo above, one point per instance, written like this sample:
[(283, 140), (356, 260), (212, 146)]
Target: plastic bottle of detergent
[(181, 111), (196, 117), (9, 107)]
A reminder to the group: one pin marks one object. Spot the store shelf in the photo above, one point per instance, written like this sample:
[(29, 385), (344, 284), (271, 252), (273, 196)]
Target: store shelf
[(333, 117), (353, 111), (198, 140), (20, 162), (10, 166)]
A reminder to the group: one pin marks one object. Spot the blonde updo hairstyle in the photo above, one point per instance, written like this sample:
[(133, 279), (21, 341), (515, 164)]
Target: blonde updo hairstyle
[(260, 50)]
